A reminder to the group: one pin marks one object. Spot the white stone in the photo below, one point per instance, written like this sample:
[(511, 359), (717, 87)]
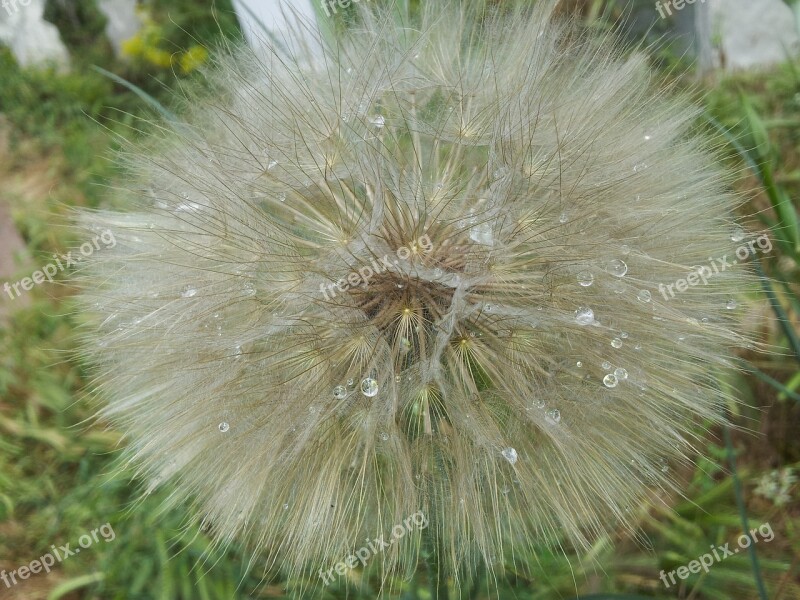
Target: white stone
[(33, 41), (752, 33), (123, 21), (280, 17)]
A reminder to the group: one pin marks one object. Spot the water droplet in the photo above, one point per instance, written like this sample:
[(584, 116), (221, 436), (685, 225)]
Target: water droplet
[(437, 272), (488, 308), (625, 249), (584, 315), (272, 164), (369, 387), (617, 268), (378, 121), (554, 415), (610, 381), (738, 234), (640, 167), (539, 403), (585, 279), (282, 197), (563, 218), (605, 365), (616, 343), (339, 392), (579, 364), (620, 373), (637, 347), (624, 335), (510, 454), (644, 296), (384, 436), (351, 382), (188, 292), (731, 304), (224, 427), (647, 138)]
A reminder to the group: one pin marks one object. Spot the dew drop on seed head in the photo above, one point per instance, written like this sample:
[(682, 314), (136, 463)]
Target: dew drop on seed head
[(369, 387), (539, 403), (616, 343), (563, 218), (584, 315), (620, 373), (644, 296), (437, 272), (731, 304), (224, 427), (606, 365), (510, 454), (738, 234), (188, 292), (351, 382), (272, 164), (339, 392), (639, 168), (553, 415), (610, 381), (282, 197), (617, 268), (384, 436), (579, 364), (624, 335), (585, 279), (378, 121)]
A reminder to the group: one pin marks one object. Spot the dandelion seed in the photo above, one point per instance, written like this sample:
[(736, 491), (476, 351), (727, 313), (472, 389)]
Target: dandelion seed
[(484, 166)]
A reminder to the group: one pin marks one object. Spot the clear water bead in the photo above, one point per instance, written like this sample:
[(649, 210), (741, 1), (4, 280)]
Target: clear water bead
[(188, 292), (605, 365), (616, 343), (584, 315), (378, 121), (510, 454), (539, 403), (617, 268), (384, 436), (339, 392), (224, 427), (731, 304), (369, 387), (282, 197), (585, 279), (554, 415), (351, 382), (738, 234), (644, 296), (563, 218), (621, 374), (610, 380)]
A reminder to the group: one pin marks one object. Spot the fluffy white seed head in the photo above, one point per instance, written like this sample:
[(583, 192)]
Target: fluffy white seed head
[(420, 275)]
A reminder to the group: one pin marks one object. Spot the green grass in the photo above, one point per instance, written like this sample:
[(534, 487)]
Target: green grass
[(58, 470)]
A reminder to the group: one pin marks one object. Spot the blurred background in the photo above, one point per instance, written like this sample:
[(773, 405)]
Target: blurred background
[(77, 74)]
